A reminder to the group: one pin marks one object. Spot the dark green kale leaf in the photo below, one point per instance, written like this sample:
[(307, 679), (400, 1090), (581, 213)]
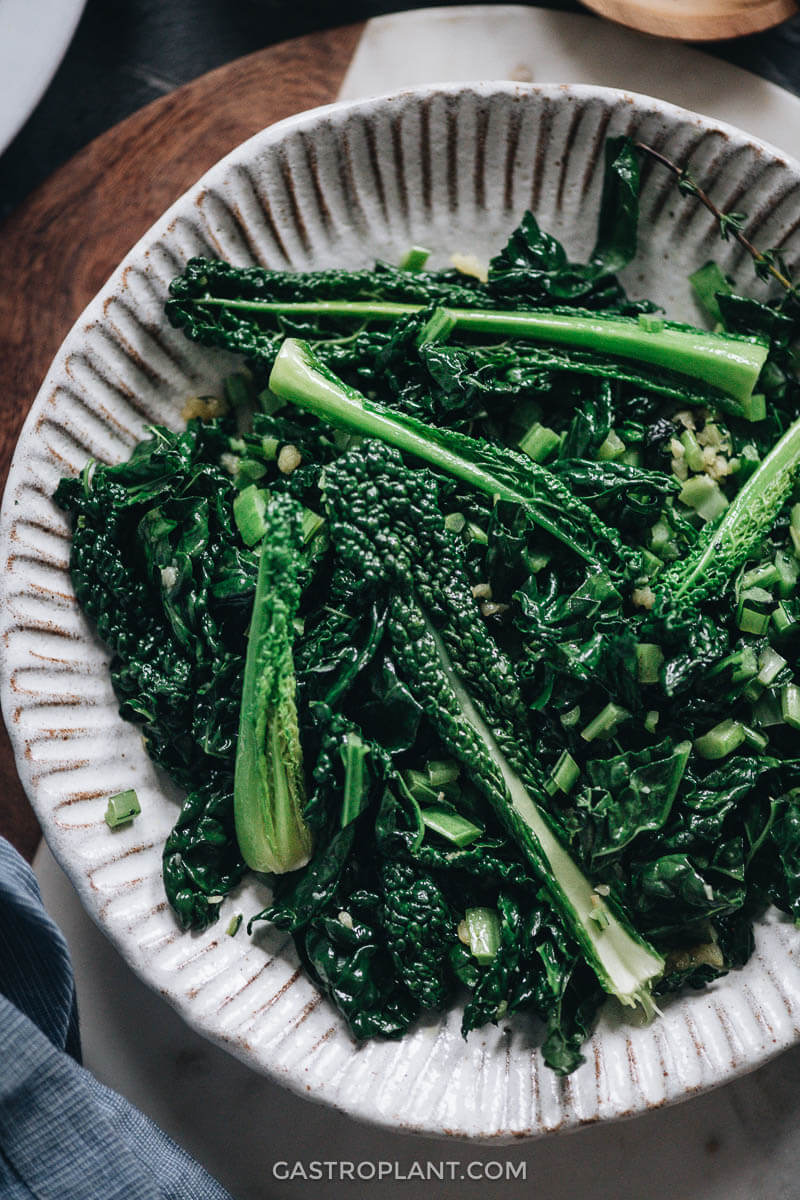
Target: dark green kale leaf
[(347, 953), (201, 857)]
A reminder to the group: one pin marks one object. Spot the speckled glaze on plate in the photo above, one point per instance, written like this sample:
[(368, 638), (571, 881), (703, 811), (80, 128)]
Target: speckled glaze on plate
[(453, 168)]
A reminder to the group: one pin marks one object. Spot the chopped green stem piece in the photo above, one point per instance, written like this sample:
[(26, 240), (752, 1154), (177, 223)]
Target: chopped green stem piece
[(722, 740), (725, 361), (755, 740), (787, 569), (564, 775), (540, 443), (456, 522), (649, 658), (651, 720), (694, 454), (122, 808), (483, 932), (742, 664), (790, 705), (234, 925), (476, 534), (752, 620), (353, 752), (249, 511), (612, 448), (571, 717), (414, 259), (419, 786), (783, 618), (770, 666), (452, 826), (442, 772), (764, 576), (704, 495), (437, 329), (606, 722)]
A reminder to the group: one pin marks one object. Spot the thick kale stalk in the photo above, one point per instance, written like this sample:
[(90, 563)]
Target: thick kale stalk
[(624, 963), (269, 791), (726, 361), (298, 376), (745, 525)]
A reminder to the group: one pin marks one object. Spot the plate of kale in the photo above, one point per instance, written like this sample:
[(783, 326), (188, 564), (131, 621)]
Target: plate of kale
[(403, 614)]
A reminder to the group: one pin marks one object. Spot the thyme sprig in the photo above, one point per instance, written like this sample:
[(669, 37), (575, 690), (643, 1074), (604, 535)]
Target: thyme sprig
[(768, 263)]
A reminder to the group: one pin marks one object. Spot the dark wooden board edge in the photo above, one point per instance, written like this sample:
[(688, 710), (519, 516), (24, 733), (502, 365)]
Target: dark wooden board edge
[(60, 246)]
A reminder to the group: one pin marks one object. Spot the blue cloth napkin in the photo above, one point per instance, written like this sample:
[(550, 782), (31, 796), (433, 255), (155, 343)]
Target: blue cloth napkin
[(63, 1135)]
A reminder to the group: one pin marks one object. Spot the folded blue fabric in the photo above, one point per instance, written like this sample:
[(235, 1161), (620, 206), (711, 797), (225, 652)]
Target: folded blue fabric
[(63, 1135)]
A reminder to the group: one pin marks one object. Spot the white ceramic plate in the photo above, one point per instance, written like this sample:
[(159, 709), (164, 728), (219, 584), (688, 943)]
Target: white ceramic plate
[(452, 168), (34, 37)]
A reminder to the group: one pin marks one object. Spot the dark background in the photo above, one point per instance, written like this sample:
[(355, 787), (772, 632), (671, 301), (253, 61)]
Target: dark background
[(128, 52)]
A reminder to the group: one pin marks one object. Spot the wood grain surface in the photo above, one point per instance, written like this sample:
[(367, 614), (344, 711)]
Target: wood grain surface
[(61, 245), (696, 20)]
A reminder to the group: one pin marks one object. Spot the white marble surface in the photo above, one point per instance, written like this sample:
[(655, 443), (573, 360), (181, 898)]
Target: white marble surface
[(740, 1142), (537, 45)]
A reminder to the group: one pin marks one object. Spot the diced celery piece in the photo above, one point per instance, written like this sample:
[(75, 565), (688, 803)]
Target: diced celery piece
[(770, 666), (483, 931), (606, 722), (794, 528), (788, 570), (455, 522), (651, 720), (476, 534), (612, 448), (752, 621), (790, 705), (442, 772), (722, 740), (762, 576), (540, 442), (570, 718), (249, 513), (694, 454), (755, 740), (452, 826), (783, 618), (563, 776), (122, 808), (414, 259), (704, 495), (649, 657)]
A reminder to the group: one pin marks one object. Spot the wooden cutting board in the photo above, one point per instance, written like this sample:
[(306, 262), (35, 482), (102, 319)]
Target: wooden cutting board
[(68, 236)]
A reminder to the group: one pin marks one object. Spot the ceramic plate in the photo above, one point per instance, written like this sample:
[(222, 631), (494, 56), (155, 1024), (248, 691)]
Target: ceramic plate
[(452, 168)]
